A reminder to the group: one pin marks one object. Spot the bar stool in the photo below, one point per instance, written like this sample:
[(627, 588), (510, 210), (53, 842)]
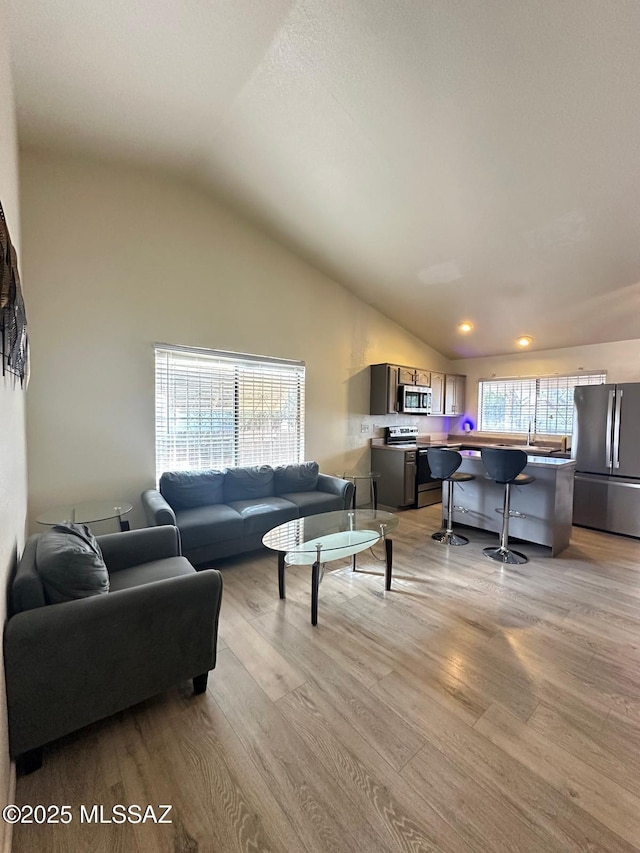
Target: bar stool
[(504, 466), (444, 466)]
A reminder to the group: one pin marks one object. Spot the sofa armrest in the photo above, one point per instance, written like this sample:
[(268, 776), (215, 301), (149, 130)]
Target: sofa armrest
[(70, 664), (132, 547), (156, 508), (336, 486)]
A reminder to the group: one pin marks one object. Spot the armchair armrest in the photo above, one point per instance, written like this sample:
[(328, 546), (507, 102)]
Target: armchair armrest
[(156, 508), (132, 547), (336, 486), (68, 665)]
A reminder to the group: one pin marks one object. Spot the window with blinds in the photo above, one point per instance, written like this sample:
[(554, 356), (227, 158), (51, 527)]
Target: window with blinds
[(222, 410), (541, 404)]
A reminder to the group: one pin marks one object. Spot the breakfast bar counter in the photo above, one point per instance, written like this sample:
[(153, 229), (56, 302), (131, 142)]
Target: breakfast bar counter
[(546, 503)]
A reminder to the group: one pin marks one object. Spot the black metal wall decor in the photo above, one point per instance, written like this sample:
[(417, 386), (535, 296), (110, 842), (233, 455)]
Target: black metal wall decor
[(14, 343)]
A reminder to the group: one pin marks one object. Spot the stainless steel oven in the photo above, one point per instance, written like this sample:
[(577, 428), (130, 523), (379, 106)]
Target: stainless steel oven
[(414, 399)]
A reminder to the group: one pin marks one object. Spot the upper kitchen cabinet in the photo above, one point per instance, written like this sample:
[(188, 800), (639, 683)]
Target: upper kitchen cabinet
[(454, 392), (437, 393), (384, 389), (414, 376)]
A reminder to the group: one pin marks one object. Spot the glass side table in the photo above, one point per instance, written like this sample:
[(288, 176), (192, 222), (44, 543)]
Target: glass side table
[(372, 478), (86, 512)]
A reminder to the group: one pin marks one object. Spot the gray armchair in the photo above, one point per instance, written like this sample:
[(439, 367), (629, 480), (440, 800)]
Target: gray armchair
[(70, 664)]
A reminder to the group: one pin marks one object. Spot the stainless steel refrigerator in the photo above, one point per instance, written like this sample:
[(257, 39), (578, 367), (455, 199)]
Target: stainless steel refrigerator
[(606, 447)]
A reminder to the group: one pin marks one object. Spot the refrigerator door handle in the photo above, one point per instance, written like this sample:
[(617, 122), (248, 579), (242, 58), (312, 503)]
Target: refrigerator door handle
[(607, 449), (616, 430)]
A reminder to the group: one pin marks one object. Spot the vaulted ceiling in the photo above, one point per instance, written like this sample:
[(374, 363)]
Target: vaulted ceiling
[(446, 160)]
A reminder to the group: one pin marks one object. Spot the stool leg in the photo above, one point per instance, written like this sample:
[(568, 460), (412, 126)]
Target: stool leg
[(448, 537), (503, 554)]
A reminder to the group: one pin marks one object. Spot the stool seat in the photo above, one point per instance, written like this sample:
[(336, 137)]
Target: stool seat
[(505, 466), (444, 466), (461, 477)]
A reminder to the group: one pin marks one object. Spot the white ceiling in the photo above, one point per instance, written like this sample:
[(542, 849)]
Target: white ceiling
[(446, 160)]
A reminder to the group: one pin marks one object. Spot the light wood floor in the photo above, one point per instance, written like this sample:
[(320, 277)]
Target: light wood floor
[(472, 708)]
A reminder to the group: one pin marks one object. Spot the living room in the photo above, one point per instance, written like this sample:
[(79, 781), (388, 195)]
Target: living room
[(117, 254)]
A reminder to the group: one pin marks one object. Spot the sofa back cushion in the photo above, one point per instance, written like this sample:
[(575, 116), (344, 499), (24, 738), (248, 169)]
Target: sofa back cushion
[(296, 478), (245, 484), (188, 489), (70, 564)]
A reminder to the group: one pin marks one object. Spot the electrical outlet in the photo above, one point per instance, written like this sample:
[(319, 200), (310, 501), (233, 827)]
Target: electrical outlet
[(364, 427)]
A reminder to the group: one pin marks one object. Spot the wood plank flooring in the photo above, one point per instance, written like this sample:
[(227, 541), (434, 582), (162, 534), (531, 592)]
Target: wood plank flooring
[(474, 707)]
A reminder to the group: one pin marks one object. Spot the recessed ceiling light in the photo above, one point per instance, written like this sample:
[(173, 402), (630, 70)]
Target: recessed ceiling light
[(524, 341), (465, 327)]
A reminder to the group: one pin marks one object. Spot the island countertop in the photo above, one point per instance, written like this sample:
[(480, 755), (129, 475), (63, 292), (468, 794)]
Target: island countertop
[(543, 461)]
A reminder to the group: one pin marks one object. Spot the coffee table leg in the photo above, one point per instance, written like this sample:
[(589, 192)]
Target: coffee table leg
[(388, 548), (315, 583), (281, 574)]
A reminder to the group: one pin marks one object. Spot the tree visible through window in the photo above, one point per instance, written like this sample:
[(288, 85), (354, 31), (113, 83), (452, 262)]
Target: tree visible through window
[(541, 404), (221, 410)]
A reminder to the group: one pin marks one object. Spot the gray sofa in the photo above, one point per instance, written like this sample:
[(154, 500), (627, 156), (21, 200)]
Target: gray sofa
[(223, 513), (69, 664)]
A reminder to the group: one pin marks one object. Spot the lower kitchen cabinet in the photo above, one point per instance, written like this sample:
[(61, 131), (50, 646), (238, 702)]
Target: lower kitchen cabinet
[(398, 470)]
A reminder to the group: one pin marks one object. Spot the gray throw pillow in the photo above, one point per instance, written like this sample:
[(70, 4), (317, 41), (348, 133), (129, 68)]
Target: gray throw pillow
[(188, 489), (297, 478), (70, 564)]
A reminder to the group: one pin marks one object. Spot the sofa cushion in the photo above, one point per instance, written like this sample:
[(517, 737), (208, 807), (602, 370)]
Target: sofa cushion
[(70, 564), (156, 570), (203, 525), (296, 478), (245, 484), (264, 514), (310, 503), (187, 489)]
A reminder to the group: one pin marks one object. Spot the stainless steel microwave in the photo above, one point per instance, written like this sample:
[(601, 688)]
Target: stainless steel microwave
[(414, 399)]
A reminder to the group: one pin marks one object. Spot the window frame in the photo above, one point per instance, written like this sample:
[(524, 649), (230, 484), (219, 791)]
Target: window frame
[(200, 394), (536, 415)]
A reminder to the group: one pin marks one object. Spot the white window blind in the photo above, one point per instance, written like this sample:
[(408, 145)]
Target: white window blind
[(221, 410), (542, 404)]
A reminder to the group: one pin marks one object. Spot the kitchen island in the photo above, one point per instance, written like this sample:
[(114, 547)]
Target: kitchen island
[(547, 502)]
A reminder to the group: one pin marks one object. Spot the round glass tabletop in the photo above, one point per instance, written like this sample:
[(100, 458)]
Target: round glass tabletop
[(84, 512), (329, 535)]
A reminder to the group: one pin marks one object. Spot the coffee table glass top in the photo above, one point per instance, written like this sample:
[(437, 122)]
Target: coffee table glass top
[(84, 512), (329, 535)]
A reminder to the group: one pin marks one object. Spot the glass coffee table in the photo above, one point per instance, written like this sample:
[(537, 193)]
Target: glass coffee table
[(318, 539)]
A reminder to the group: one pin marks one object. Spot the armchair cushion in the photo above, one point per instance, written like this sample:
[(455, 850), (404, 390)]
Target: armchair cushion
[(157, 570), (70, 564)]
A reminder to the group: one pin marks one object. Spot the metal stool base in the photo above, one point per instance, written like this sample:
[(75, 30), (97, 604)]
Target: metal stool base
[(500, 555), (449, 538)]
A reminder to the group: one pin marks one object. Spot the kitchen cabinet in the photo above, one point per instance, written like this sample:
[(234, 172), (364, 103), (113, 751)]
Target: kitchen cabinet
[(414, 376), (383, 394), (397, 481), (437, 393), (454, 394)]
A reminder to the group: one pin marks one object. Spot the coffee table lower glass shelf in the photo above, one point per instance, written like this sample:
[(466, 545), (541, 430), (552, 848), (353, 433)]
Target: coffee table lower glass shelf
[(319, 539)]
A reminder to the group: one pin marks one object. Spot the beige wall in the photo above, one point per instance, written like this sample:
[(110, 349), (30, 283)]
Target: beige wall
[(119, 258), (621, 360), (13, 481)]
